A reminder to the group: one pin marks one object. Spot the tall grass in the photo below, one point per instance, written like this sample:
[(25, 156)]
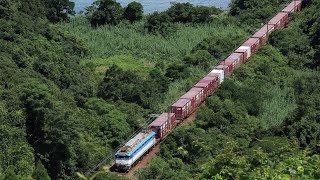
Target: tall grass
[(278, 107), (126, 62), (178, 88), (128, 39), (107, 43)]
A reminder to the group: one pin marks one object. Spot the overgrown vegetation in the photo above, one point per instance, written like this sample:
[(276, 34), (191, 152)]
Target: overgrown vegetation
[(263, 121), (70, 92), (255, 12), (52, 122)]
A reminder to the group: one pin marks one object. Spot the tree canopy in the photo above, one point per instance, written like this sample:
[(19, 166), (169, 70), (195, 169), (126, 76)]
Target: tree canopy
[(263, 120), (133, 12), (106, 12), (64, 106), (58, 10)]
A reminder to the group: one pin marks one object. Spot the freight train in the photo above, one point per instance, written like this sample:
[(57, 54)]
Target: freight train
[(137, 147)]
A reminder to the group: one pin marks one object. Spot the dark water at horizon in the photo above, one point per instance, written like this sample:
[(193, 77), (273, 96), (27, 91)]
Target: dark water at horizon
[(157, 5)]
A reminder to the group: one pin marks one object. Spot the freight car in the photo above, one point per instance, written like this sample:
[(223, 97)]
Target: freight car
[(209, 84), (293, 7), (263, 34), (135, 148), (280, 20), (163, 124), (192, 99)]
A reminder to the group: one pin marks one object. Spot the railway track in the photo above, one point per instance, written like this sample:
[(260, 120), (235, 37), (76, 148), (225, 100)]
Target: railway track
[(154, 152), (129, 157)]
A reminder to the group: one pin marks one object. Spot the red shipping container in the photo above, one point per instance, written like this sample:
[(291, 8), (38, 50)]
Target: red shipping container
[(172, 119), (213, 84), (224, 68), (227, 66), (280, 20), (161, 126), (205, 86), (230, 63), (293, 7), (253, 43), (208, 84), (182, 108), (237, 58), (196, 95), (262, 33)]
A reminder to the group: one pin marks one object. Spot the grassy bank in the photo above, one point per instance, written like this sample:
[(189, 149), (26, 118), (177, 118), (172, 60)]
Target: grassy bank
[(127, 39)]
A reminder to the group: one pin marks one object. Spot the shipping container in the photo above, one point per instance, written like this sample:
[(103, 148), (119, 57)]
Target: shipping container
[(293, 7), (227, 65), (237, 58), (209, 84), (231, 66), (182, 108), (280, 20), (163, 124), (196, 95), (253, 43), (262, 33), (215, 83), (205, 86), (245, 51), (219, 73), (299, 6)]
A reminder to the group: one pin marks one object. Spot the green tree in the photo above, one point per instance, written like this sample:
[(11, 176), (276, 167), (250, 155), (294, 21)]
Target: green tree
[(34, 8), (40, 172), (120, 85), (50, 130), (154, 87), (181, 12), (177, 71), (158, 169), (114, 128), (107, 12), (58, 10), (201, 58), (133, 12), (292, 42), (187, 13), (135, 114), (315, 38), (220, 46), (259, 11), (17, 155), (159, 23), (202, 14)]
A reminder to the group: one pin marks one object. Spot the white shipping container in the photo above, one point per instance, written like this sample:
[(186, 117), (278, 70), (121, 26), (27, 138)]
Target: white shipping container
[(220, 73), (248, 48)]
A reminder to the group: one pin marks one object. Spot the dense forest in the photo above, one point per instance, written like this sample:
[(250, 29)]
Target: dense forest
[(263, 122), (74, 88)]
